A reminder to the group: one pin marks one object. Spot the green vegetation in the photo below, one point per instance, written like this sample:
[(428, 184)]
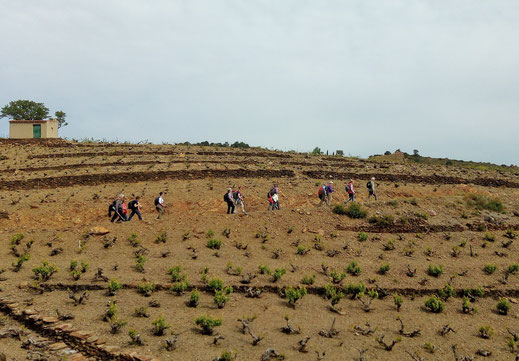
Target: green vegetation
[(264, 270), (447, 292), (353, 268), (308, 280), (362, 236), (45, 271), (489, 268), (513, 268), (207, 324), (483, 202), (175, 274), (278, 273), (503, 306), (134, 240), (295, 294), (333, 294), (435, 271), (222, 296), (159, 326), (398, 300), (434, 304), (162, 237), (355, 290), (215, 284), (214, 244), (384, 269), (146, 288), (337, 277), (113, 287), (180, 287), (354, 210), (382, 221), (194, 299), (486, 332)]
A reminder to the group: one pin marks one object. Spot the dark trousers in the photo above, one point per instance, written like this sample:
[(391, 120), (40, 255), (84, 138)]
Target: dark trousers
[(119, 215), (137, 212), (230, 207)]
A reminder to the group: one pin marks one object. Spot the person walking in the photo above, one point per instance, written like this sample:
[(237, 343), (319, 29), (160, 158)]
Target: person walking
[(351, 192), (229, 198), (135, 207), (118, 209), (273, 197), (322, 194), (329, 191), (159, 205), (239, 200), (371, 189)]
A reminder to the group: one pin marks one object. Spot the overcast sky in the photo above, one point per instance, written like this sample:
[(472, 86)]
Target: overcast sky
[(362, 76)]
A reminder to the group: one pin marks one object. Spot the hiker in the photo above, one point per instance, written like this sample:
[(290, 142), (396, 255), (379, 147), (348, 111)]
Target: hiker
[(350, 191), (371, 188), (321, 193), (135, 207), (159, 205), (229, 198), (118, 209), (273, 197), (239, 200)]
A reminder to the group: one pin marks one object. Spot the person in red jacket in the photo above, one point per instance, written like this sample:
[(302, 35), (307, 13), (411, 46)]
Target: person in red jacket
[(351, 192)]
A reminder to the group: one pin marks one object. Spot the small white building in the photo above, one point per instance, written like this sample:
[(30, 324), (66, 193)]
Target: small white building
[(28, 129)]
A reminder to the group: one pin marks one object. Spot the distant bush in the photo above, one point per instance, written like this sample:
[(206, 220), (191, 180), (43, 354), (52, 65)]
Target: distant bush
[(513, 268), (503, 306), (382, 221), (362, 236), (354, 210), (384, 269), (355, 290), (435, 305), (295, 294), (45, 271), (489, 268), (208, 324), (214, 244), (483, 202), (435, 271), (353, 268)]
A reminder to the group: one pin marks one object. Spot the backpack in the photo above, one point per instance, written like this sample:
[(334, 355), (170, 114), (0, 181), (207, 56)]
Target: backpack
[(133, 204), (157, 201), (322, 190), (226, 197), (368, 185), (348, 188), (235, 196)]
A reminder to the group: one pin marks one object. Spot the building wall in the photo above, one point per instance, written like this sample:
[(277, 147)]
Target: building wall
[(49, 129), (20, 130)]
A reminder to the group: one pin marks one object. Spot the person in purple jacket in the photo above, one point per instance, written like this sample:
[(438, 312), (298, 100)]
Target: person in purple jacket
[(327, 194)]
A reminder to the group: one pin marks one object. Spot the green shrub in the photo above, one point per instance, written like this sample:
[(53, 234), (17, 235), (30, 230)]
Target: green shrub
[(45, 271), (483, 202), (175, 274), (489, 268), (111, 311), (146, 288), (113, 287), (139, 263), (382, 221), (194, 299), (209, 234), (162, 237), (513, 268), (510, 233), (435, 271), (362, 236), (384, 269), (490, 237), (264, 269), (159, 326), (354, 210), (435, 305), (221, 297), (466, 306), (355, 290), (353, 268), (20, 261), (295, 294), (474, 292), (302, 250), (308, 280), (207, 324), (337, 277), (214, 244), (486, 332), (389, 246), (73, 265), (447, 291), (398, 300), (278, 273), (180, 287), (333, 294), (134, 240), (215, 284), (503, 306), (16, 239)]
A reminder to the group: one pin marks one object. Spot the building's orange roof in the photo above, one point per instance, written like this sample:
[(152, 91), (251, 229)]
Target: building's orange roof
[(31, 121)]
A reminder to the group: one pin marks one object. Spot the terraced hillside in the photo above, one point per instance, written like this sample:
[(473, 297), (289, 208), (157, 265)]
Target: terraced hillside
[(423, 271)]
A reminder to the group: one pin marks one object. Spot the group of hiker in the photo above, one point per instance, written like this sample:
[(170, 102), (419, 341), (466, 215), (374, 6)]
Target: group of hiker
[(325, 192), (118, 209)]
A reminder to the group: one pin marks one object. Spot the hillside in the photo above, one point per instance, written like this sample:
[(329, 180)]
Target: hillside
[(436, 229)]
